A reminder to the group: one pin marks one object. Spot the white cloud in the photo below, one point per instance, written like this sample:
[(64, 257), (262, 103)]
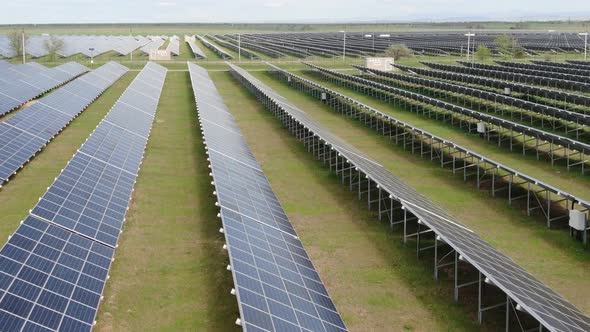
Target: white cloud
[(274, 4), (167, 4)]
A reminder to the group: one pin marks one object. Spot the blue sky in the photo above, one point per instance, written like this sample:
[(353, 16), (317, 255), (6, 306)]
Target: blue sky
[(121, 11)]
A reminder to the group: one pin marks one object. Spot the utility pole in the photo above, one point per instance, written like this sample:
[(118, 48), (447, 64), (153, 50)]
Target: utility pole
[(91, 56), (344, 47), (585, 34), (24, 50), (131, 35), (469, 35), (473, 52)]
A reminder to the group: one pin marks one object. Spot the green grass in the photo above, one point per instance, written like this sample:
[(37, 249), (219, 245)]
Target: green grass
[(169, 273), (560, 261)]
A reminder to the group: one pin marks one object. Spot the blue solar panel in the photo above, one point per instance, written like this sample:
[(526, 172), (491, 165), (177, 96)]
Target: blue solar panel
[(277, 286), (51, 279), (91, 195), (54, 268), (33, 80), (32, 128), (116, 146)]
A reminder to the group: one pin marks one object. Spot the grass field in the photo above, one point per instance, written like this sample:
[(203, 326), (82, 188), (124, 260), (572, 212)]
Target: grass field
[(169, 273)]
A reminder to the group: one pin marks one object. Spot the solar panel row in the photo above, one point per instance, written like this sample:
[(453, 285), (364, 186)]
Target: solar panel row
[(174, 45), (536, 70), (408, 133), (223, 54), (234, 46), (478, 69), (573, 117), (547, 66), (29, 130), (154, 43), (251, 46), (72, 45), (11, 72), (22, 86), (507, 125), (548, 307), (557, 65), (92, 193), (441, 43), (54, 267), (197, 51), (277, 286), (554, 96)]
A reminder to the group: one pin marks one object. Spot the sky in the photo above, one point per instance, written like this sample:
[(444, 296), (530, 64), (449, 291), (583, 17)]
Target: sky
[(330, 11)]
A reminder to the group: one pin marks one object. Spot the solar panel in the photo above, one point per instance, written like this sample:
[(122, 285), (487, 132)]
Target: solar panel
[(343, 101), (91, 195), (51, 279), (29, 130), (155, 42), (17, 90), (197, 52), (557, 95), (510, 126), (277, 286), (174, 45), (54, 267), (223, 54), (548, 307), (573, 117), (544, 80)]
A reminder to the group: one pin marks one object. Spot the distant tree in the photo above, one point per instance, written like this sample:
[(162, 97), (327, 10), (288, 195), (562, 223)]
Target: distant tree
[(482, 53), (519, 54), (398, 52), (16, 41), (514, 45), (52, 46), (503, 42)]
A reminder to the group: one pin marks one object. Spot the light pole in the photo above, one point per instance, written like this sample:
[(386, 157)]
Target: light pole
[(91, 55), (469, 35), (585, 34), (24, 51), (131, 36), (344, 47)]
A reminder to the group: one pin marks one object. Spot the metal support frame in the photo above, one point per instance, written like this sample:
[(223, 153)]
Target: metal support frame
[(361, 182), (536, 198)]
